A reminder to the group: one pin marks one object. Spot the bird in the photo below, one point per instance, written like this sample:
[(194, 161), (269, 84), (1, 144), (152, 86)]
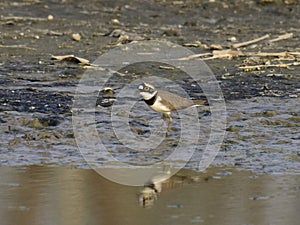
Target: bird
[(166, 102)]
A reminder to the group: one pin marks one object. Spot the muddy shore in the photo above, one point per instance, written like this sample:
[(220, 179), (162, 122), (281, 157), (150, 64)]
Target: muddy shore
[(32, 31), (36, 92), (254, 179)]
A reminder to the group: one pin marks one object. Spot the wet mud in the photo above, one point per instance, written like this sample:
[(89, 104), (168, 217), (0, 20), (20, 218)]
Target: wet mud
[(37, 92), (254, 179)]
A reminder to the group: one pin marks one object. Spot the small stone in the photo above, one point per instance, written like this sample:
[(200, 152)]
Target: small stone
[(106, 102), (76, 37), (107, 91), (171, 32), (36, 123), (232, 129), (116, 33), (178, 2), (50, 17), (115, 21), (215, 47), (232, 39), (289, 2), (46, 135)]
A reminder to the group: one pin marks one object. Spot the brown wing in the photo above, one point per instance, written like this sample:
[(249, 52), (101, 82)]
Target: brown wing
[(200, 102), (177, 101)]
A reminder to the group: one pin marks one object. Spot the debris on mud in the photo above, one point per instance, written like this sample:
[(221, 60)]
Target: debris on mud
[(71, 58)]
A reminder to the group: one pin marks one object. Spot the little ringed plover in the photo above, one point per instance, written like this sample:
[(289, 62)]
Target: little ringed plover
[(166, 102)]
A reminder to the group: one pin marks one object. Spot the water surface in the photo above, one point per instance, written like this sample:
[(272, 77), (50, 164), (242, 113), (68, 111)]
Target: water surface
[(45, 195)]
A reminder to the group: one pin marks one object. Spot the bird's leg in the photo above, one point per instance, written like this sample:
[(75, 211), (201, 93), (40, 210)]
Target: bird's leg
[(164, 119), (162, 124), (170, 122), (165, 115)]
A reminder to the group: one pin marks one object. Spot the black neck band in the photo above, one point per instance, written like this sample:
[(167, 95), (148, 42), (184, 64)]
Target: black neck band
[(151, 100)]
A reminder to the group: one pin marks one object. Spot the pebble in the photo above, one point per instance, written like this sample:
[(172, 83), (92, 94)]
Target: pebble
[(115, 21), (36, 123), (76, 37), (50, 17), (233, 39), (215, 47), (106, 102), (107, 91)]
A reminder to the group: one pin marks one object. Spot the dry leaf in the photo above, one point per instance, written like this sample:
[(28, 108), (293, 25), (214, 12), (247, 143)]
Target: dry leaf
[(71, 58)]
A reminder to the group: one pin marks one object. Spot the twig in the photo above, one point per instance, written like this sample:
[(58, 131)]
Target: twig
[(17, 46), (259, 67), (167, 67), (238, 45), (229, 53), (282, 37), (195, 56), (267, 54), (294, 53), (21, 18), (216, 54), (281, 55)]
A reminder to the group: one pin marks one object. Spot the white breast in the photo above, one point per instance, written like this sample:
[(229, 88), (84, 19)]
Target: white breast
[(158, 107)]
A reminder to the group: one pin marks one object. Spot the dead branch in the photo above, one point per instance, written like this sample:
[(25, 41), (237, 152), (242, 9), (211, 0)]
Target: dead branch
[(282, 37), (295, 53), (17, 46), (22, 18), (259, 67), (195, 56), (216, 54), (280, 55), (267, 54), (229, 53), (167, 67), (238, 45)]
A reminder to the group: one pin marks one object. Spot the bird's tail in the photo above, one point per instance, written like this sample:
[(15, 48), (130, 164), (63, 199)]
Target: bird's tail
[(200, 102)]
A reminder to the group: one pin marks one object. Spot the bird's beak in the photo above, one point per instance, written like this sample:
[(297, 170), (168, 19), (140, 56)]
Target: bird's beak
[(141, 87)]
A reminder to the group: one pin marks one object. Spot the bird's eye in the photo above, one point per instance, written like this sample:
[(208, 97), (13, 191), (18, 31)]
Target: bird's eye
[(146, 88)]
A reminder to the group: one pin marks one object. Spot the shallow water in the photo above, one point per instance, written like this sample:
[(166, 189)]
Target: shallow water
[(45, 195), (262, 135)]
